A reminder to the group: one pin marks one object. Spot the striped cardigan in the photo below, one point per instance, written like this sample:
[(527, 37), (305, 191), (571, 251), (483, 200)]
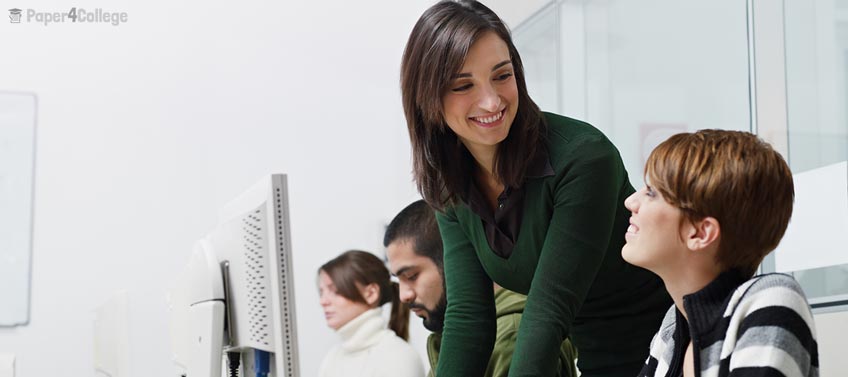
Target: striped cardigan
[(759, 327)]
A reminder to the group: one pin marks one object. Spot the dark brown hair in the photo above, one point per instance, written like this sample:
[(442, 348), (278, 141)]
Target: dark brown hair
[(436, 50), (417, 223), (734, 177), (356, 268)]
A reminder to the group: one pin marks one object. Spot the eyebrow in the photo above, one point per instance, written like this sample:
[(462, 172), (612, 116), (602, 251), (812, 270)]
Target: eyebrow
[(401, 270), (466, 74)]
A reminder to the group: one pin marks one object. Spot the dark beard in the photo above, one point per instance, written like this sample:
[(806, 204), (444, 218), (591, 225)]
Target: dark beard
[(435, 320)]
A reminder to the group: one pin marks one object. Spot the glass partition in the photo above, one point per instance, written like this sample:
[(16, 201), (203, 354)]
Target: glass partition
[(816, 44), (538, 44), (642, 71)]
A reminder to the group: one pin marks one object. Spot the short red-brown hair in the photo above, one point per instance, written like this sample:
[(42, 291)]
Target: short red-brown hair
[(734, 177)]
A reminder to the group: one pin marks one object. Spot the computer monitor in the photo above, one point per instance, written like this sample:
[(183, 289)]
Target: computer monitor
[(237, 295)]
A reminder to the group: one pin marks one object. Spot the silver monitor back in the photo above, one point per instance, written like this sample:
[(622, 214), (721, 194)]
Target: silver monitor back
[(254, 240)]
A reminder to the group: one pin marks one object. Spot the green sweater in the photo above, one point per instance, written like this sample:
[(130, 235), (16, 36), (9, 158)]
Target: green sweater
[(566, 259), (509, 307)]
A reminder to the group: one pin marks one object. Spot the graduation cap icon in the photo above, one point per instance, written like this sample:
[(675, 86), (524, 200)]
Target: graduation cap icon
[(15, 15)]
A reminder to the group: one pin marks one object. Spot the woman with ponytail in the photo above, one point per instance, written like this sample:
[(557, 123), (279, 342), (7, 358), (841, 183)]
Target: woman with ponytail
[(352, 288)]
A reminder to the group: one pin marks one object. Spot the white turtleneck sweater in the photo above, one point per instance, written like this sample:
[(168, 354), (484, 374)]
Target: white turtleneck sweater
[(369, 349)]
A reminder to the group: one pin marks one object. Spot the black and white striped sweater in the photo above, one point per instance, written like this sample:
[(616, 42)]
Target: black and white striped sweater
[(759, 327)]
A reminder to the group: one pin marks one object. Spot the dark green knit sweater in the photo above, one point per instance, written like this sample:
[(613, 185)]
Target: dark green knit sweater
[(566, 259)]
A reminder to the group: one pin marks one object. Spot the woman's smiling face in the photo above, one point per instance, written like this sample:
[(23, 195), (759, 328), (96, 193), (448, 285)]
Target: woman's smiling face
[(654, 238), (482, 100)]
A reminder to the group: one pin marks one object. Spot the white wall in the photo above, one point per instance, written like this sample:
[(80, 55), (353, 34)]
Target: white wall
[(146, 129)]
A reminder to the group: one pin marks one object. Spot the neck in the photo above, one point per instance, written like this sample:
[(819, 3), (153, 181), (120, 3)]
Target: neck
[(484, 157), (487, 179), (685, 281), (362, 331), (484, 175)]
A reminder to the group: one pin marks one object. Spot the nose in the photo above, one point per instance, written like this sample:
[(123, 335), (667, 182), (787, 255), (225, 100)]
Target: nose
[(490, 100), (632, 203), (407, 295), (323, 300)]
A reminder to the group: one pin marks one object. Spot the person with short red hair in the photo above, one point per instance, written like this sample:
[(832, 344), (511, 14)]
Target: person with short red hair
[(715, 204)]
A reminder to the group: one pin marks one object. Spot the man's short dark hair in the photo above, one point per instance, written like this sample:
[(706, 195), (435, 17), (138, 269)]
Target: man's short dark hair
[(417, 224)]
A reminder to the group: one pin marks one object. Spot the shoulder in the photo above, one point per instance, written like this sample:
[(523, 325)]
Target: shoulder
[(771, 304), (563, 130), (397, 349), (770, 290), (398, 358), (333, 352), (570, 140), (767, 281), (769, 315), (330, 358), (568, 128)]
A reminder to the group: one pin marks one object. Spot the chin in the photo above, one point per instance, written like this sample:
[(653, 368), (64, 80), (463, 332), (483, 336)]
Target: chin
[(626, 255)]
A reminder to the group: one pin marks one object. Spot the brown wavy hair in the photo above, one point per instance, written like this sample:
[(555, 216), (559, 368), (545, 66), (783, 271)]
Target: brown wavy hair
[(734, 177), (436, 50), (356, 268)]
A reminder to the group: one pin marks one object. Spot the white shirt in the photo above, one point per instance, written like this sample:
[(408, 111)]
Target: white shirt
[(369, 349)]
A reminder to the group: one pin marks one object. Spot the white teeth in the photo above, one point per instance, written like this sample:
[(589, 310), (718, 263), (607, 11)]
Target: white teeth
[(490, 119), (631, 229)]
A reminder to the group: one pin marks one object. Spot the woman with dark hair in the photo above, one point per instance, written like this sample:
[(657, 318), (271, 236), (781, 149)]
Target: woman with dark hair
[(353, 287), (529, 200)]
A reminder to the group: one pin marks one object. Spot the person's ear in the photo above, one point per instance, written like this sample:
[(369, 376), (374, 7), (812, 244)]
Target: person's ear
[(703, 234), (371, 294)]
